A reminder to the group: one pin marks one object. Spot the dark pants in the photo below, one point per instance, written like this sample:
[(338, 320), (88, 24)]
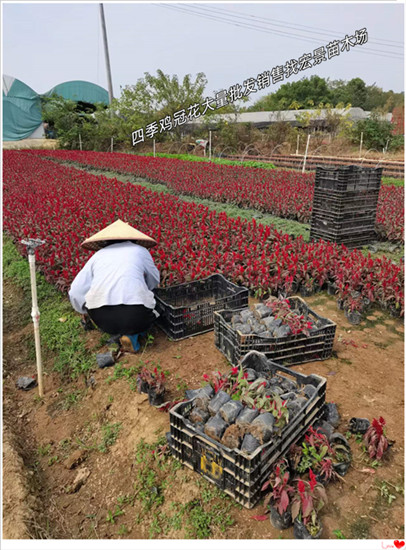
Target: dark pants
[(122, 319)]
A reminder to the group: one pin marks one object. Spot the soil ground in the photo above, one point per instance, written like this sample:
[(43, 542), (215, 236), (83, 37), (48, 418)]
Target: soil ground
[(128, 490)]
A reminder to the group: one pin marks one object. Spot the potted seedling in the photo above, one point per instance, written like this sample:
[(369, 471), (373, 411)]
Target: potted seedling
[(326, 471), (144, 379), (341, 455), (328, 460), (315, 448), (353, 308), (375, 439), (309, 499), (280, 498), (331, 287), (156, 388), (306, 289)]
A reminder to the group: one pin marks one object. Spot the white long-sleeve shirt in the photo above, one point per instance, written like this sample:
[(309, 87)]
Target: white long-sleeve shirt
[(122, 273)]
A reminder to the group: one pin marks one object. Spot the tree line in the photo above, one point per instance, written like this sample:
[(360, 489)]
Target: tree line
[(155, 97)]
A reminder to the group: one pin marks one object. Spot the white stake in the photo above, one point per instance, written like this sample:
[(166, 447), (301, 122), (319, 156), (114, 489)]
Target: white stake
[(31, 246), (360, 144), (297, 145), (305, 156), (80, 142), (153, 145), (112, 144), (209, 144)]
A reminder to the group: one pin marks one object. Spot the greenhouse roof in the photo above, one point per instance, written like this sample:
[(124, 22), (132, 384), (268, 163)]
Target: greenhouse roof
[(80, 90)]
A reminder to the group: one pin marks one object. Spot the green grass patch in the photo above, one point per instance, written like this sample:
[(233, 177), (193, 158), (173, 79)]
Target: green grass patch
[(393, 181), (109, 436), (60, 329), (199, 518), (121, 371), (214, 160)]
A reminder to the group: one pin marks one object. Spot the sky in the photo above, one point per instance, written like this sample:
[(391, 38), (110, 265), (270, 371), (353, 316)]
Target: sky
[(46, 44)]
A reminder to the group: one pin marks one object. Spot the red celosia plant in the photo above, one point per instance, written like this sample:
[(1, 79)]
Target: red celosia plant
[(281, 309), (375, 439), (154, 380), (282, 491), (284, 193), (64, 206), (308, 501), (231, 382), (327, 471)]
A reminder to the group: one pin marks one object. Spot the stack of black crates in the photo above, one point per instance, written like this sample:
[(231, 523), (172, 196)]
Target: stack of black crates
[(344, 205)]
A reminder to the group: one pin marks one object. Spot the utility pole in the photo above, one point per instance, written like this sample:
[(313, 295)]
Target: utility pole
[(106, 54)]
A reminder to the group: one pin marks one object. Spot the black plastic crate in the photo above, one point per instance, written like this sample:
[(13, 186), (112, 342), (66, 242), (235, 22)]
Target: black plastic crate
[(331, 207), (344, 204), (289, 350), (348, 178), (188, 309), (358, 224), (344, 235), (236, 473), (348, 242)]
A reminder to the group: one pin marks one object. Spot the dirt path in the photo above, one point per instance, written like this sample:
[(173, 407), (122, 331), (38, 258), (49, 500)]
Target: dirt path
[(111, 433)]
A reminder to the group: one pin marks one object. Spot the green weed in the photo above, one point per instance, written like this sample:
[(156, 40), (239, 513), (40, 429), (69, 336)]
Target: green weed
[(109, 436), (388, 491), (53, 460), (127, 373), (338, 534), (112, 516), (72, 399), (44, 450), (123, 530)]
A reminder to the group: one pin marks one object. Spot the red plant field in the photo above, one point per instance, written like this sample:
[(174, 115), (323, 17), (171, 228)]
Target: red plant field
[(283, 193), (64, 205)]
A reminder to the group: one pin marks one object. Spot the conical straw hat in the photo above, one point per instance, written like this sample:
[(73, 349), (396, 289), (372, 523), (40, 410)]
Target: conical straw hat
[(117, 231)]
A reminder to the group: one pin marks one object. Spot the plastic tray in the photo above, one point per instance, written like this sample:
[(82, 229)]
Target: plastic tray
[(188, 309), (240, 475), (289, 350)]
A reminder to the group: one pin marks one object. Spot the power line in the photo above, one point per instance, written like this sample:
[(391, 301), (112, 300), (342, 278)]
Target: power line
[(250, 26), (295, 26), (394, 55)]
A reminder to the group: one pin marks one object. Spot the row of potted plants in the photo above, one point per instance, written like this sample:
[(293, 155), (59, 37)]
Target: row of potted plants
[(284, 193), (296, 486), (63, 206)]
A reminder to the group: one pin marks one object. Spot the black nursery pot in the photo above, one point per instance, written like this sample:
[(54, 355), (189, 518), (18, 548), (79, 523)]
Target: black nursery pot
[(155, 398), (305, 292), (359, 425), (142, 386), (320, 478), (300, 531), (354, 317), (394, 311), (331, 289), (341, 467), (279, 521)]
